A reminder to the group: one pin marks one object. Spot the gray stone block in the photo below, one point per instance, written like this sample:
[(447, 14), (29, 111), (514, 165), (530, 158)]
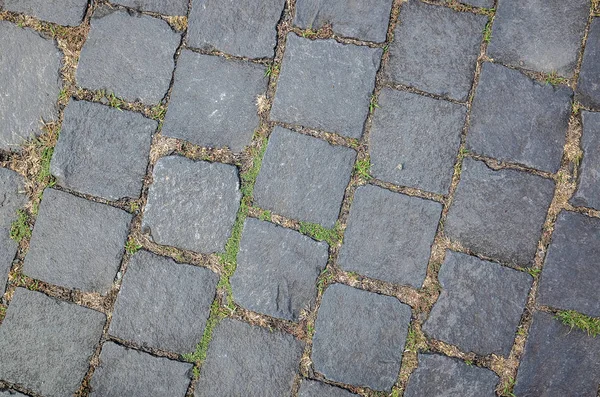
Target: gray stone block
[(499, 213), (436, 49), (303, 177), (128, 55), (516, 119), (29, 86), (163, 304), (414, 140), (326, 85), (277, 270), (213, 102), (311, 388), (46, 344), (102, 151), (62, 12), (588, 85), (171, 7), (359, 337), (11, 393), (480, 305), (245, 360), (588, 190), (12, 194), (76, 243), (192, 204)]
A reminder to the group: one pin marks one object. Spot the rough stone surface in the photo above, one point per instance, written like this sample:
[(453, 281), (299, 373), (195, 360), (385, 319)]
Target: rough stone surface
[(359, 337), (29, 84), (12, 197), (541, 35), (516, 119), (62, 12), (46, 344), (243, 28), (480, 305), (130, 56), (570, 277), (213, 102), (277, 270), (588, 190), (326, 85), (350, 18), (479, 3), (192, 204), (436, 49), (11, 393), (171, 7), (127, 372), (558, 361), (76, 243), (588, 85), (499, 213), (243, 360), (440, 376), (163, 304), (414, 140), (311, 388), (102, 151)]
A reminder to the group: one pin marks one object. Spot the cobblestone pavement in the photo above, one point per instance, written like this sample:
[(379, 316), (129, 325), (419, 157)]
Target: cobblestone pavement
[(300, 198)]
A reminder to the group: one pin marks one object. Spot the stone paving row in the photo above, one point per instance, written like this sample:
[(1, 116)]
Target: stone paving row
[(299, 198)]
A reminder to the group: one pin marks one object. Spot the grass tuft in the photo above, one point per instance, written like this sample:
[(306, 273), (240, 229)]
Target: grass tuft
[(265, 216), (20, 229), (132, 246), (373, 104), (362, 168), (573, 319), (554, 79), (321, 233), (487, 32)]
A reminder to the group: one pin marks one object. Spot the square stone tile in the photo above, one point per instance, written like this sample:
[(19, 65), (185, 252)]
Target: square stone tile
[(102, 151), (12, 191), (311, 388), (499, 214), (238, 27), (326, 85), (128, 55), (435, 49), (213, 102), (480, 305), (62, 12), (588, 186), (171, 7), (359, 337), (245, 360), (192, 204), (389, 235), (46, 345), (541, 35), (163, 304), (303, 178), (29, 84), (77, 243), (516, 119), (414, 140), (277, 270), (588, 85)]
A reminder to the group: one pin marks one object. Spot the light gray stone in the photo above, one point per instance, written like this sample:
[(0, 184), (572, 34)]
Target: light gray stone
[(311, 388), (11, 393), (171, 7), (62, 12), (588, 85), (588, 189), (12, 197)]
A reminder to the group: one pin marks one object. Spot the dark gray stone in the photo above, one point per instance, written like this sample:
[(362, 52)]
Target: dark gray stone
[(479, 3), (542, 35), (311, 388), (480, 305), (46, 344), (128, 55), (12, 197), (171, 7), (163, 304), (62, 12), (76, 243), (588, 190), (558, 361), (11, 393), (29, 84), (435, 49), (588, 86), (439, 376), (213, 102), (303, 177), (244, 360), (499, 213), (128, 372), (570, 277), (350, 18), (389, 235), (243, 28), (102, 151), (359, 337), (277, 270), (415, 139), (326, 85), (516, 119), (192, 204)]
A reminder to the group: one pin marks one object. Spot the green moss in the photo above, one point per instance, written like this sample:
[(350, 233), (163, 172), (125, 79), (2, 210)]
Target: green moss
[(320, 233), (20, 227), (573, 319), (132, 246), (265, 216)]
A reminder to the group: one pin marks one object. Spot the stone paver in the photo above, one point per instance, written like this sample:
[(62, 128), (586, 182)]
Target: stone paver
[(588, 189), (163, 304), (76, 243), (326, 85), (303, 177), (311, 388), (12, 197), (62, 12), (499, 213), (588, 85), (213, 102), (10, 393), (277, 270), (359, 337), (171, 7), (46, 345)]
